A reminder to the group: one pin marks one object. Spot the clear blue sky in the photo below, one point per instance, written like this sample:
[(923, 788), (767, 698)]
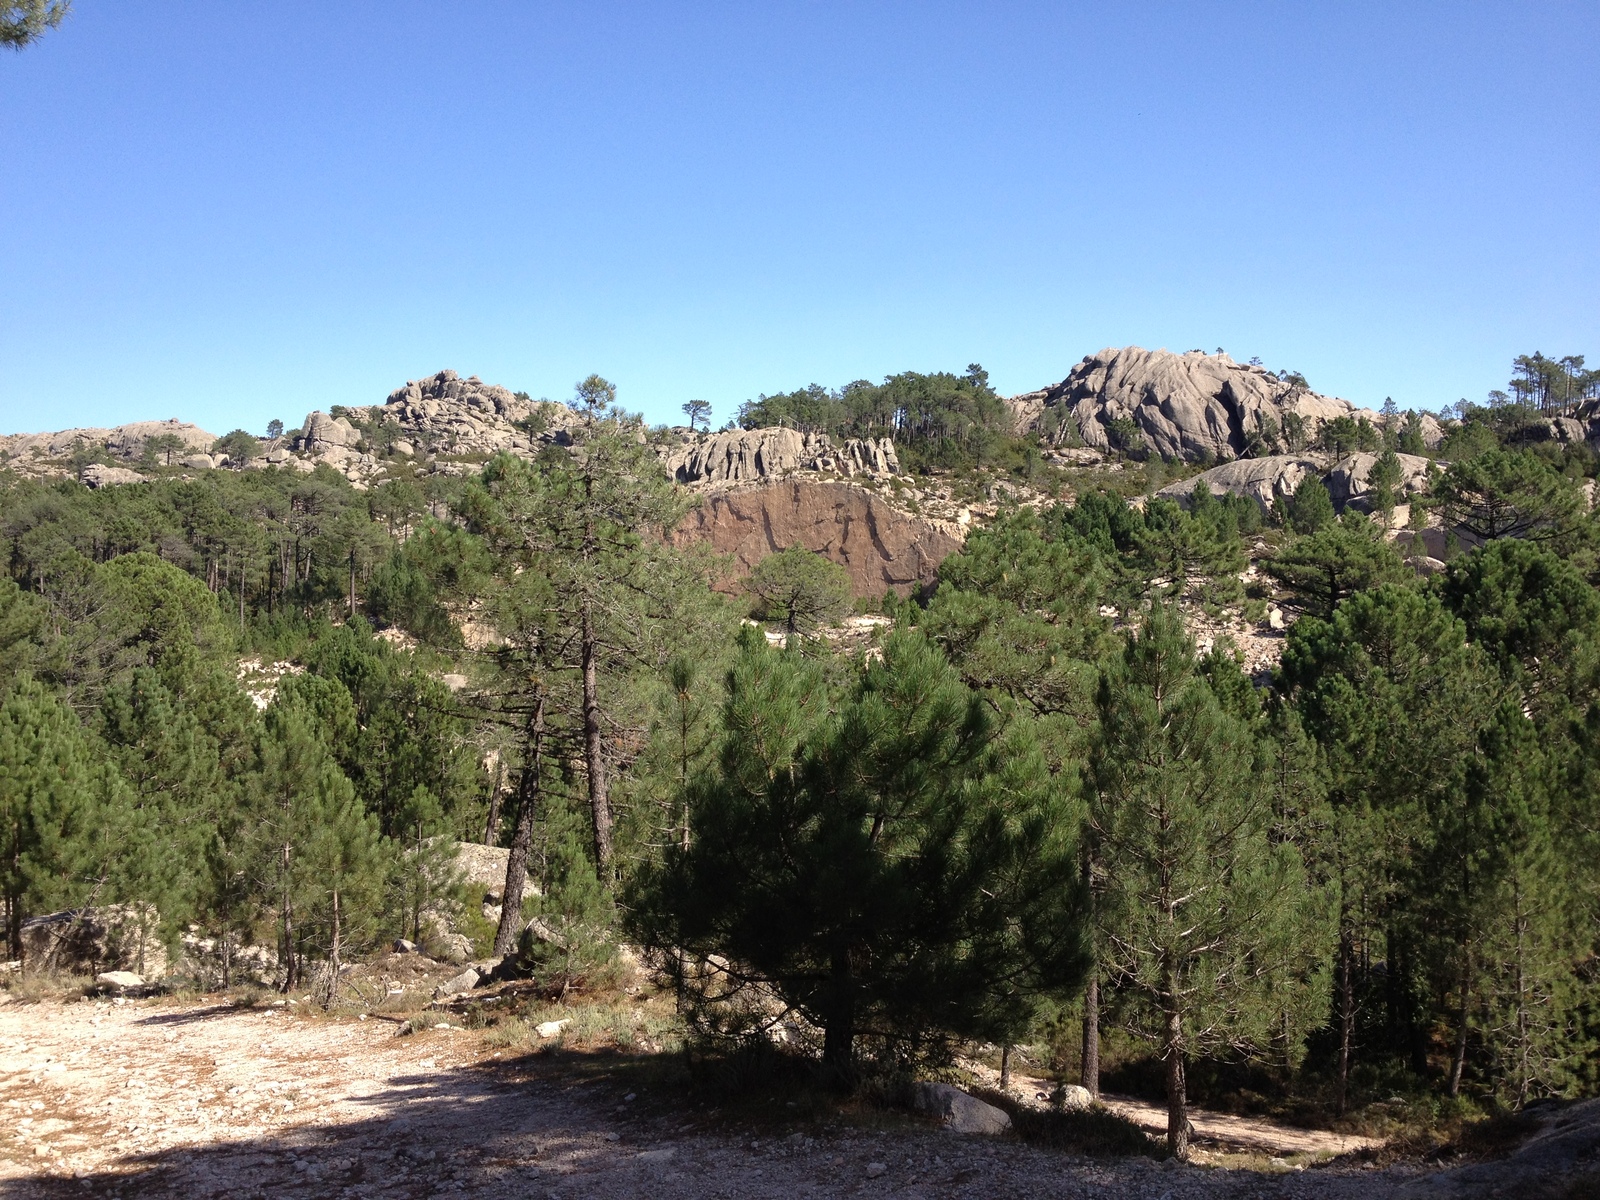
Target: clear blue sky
[(229, 212)]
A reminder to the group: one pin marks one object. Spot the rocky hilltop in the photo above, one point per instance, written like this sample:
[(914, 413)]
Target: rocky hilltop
[(1194, 406), (25, 450)]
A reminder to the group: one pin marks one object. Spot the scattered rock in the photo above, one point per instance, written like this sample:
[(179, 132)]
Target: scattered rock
[(401, 946), (876, 1169), (458, 984), (550, 1029), (960, 1112)]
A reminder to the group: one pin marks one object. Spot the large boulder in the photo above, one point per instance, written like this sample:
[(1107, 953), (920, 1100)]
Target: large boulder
[(1262, 479), (88, 941), (98, 475), (959, 1112), (320, 432), (883, 548), (1348, 481), (1192, 406)]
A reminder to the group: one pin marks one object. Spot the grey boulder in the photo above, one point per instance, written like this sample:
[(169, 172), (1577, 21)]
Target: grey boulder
[(959, 1112)]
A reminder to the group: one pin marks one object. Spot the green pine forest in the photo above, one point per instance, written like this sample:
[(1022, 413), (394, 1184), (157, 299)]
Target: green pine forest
[(1029, 814)]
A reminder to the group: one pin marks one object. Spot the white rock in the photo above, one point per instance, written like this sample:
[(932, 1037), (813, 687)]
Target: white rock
[(401, 946), (1075, 1098), (463, 982), (119, 979), (550, 1029)]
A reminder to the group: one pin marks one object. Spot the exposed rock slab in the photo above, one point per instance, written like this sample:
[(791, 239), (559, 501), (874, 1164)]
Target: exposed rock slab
[(882, 548), (1189, 406), (1262, 479)]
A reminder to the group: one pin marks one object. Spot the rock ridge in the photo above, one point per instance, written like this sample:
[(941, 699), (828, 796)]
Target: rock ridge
[(1193, 406)]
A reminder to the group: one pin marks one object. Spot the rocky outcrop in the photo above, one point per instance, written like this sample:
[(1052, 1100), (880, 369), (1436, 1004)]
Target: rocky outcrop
[(98, 475), (743, 456), (1192, 406), (124, 441), (445, 414), (1348, 480), (883, 548), (1264, 479)]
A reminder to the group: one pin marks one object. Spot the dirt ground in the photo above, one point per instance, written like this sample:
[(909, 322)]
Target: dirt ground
[(142, 1098)]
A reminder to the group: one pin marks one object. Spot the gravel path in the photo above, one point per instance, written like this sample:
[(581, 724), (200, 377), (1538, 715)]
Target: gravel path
[(140, 1099)]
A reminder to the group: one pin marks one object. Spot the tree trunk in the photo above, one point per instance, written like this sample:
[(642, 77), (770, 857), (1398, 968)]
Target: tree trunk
[(1459, 1059), (505, 934), (333, 955), (1347, 1019), (1089, 1068), (599, 801), (1005, 1067), (839, 1035), (1089, 1071), (491, 827), (352, 584), (1177, 1095)]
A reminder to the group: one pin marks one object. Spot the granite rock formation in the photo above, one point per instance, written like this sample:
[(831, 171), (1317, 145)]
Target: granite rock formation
[(124, 441), (1264, 479), (883, 548), (744, 456), (1194, 406)]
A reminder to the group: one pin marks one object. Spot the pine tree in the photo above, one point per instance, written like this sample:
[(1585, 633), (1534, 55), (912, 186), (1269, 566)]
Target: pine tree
[(901, 867), (1206, 915), (800, 588), (69, 832), (316, 855)]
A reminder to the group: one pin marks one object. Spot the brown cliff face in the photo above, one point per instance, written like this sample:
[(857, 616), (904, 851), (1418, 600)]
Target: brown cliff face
[(881, 547)]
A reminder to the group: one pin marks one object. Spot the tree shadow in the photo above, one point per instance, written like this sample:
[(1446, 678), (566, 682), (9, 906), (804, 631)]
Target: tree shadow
[(521, 1127)]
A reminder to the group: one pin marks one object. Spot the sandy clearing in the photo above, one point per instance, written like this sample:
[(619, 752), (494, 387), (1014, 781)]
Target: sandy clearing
[(141, 1099)]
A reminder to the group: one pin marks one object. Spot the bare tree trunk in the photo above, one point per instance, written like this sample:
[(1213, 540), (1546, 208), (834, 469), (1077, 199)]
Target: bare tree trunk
[(1089, 1070), (1347, 1019), (333, 956), (599, 800), (1177, 1093), (1459, 1059), (491, 826), (1005, 1067), (505, 934), (352, 584)]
